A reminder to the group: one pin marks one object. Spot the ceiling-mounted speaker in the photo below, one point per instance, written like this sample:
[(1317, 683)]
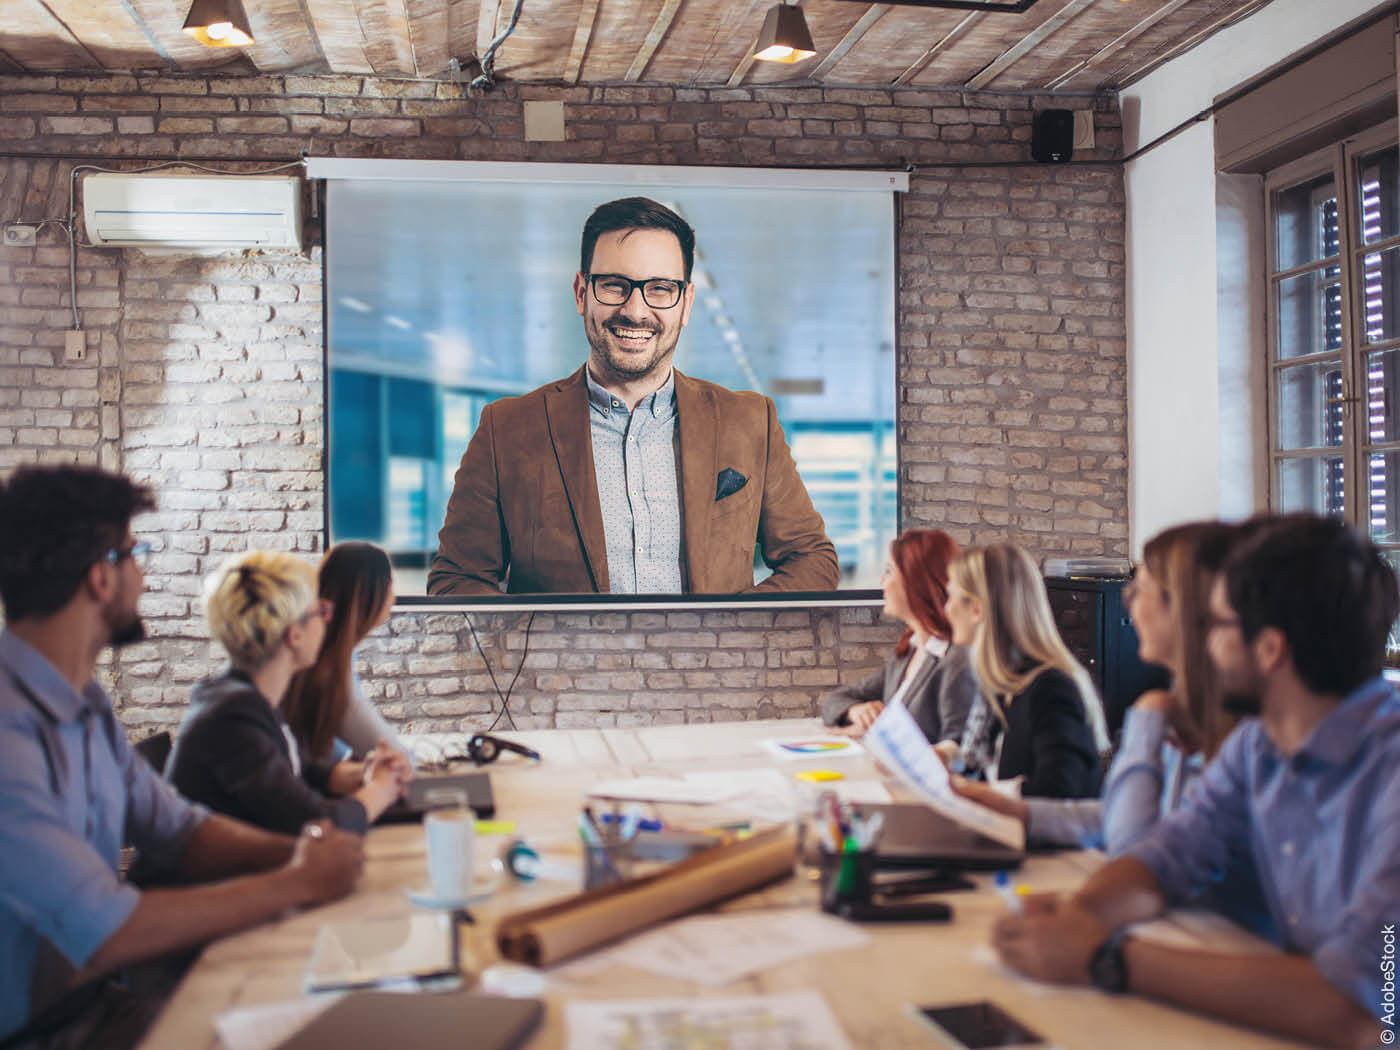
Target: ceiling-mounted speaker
[(1052, 136)]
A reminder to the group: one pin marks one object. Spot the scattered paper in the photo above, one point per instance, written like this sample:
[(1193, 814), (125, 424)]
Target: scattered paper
[(662, 789), (796, 1021), (761, 793), (718, 949), (805, 747), (860, 792), (897, 742), (268, 1025)]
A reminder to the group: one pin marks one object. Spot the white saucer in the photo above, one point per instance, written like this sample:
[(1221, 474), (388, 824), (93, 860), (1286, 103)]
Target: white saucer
[(483, 885)]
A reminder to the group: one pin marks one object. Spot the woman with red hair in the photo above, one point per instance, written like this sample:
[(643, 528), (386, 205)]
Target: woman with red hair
[(933, 680)]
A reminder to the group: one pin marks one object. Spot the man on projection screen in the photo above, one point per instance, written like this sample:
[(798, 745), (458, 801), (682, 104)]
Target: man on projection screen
[(629, 477)]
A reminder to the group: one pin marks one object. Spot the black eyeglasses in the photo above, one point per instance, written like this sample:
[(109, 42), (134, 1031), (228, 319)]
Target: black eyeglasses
[(612, 289), (140, 553)]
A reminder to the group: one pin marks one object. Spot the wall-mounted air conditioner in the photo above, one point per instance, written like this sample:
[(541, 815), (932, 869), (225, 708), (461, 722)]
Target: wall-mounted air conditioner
[(193, 211)]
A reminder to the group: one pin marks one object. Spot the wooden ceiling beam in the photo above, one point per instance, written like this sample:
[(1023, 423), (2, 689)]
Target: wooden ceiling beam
[(872, 15), (286, 40), (30, 28), (1114, 46), (429, 36), (1029, 43), (387, 38), (742, 69), (952, 37), (659, 28), (1187, 44), (336, 24), (587, 16)]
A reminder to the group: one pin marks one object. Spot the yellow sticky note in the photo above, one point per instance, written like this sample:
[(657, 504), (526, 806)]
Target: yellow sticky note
[(495, 827), (817, 776)]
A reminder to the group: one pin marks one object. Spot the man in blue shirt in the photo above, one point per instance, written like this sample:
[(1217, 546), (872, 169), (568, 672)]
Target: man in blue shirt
[(1294, 828), (71, 788)]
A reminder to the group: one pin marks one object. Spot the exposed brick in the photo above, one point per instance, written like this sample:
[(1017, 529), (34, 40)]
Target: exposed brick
[(205, 375)]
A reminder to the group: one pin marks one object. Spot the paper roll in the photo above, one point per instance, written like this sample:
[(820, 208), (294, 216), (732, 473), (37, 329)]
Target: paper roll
[(554, 932)]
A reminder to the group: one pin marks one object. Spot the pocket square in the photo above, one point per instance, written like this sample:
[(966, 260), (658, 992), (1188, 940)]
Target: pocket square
[(728, 482)]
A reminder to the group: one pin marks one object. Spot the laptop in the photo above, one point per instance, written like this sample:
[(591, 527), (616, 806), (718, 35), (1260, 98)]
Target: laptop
[(410, 808), (915, 836)]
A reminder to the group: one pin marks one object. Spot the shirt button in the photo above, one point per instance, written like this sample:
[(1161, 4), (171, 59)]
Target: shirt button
[(1287, 849)]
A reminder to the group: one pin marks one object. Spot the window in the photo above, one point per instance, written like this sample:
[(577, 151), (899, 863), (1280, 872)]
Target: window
[(1334, 347)]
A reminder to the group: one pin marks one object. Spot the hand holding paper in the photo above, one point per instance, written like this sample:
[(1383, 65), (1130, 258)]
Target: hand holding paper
[(897, 742)]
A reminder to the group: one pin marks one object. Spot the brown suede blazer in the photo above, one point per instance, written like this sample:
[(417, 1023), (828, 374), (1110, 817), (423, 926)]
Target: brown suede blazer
[(525, 509)]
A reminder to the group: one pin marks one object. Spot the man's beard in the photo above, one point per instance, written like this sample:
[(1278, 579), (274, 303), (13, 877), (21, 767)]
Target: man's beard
[(128, 632), (624, 365), (1242, 704)]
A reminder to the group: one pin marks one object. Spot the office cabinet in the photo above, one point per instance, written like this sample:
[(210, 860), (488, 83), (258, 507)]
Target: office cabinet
[(1094, 624)]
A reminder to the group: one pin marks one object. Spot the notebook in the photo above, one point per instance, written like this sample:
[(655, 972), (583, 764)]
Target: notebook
[(429, 1021), (409, 809), (401, 950)]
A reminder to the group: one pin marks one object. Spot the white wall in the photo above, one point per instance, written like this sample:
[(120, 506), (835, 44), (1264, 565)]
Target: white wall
[(1195, 400)]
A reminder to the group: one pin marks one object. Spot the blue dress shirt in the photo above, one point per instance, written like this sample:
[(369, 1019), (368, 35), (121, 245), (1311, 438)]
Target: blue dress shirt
[(70, 785), (1309, 842), (636, 463)]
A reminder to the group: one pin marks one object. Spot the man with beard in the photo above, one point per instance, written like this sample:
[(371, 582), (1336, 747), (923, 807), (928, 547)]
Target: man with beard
[(1294, 828), (72, 789), (629, 477)]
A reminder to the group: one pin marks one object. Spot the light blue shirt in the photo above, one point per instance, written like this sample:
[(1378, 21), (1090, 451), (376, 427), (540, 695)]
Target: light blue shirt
[(1144, 784), (1311, 842), (635, 461), (70, 786)]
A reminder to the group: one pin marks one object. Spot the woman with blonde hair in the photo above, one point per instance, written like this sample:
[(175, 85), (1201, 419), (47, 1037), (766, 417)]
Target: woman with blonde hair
[(234, 751), (1168, 734), (1039, 718)]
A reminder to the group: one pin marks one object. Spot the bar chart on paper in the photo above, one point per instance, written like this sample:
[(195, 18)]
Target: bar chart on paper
[(797, 1021)]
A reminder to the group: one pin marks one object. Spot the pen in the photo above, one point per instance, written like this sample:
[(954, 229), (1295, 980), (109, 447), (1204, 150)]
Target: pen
[(624, 820), (1010, 894)]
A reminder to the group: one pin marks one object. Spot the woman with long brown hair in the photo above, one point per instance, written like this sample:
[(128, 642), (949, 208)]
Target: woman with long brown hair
[(933, 680), (325, 702)]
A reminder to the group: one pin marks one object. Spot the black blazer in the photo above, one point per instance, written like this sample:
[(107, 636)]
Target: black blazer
[(939, 697), (1049, 741), (232, 755)]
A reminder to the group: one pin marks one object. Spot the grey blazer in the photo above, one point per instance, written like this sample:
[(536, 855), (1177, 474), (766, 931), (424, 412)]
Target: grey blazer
[(939, 697)]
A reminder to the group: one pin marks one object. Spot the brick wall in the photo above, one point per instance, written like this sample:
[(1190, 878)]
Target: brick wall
[(204, 373)]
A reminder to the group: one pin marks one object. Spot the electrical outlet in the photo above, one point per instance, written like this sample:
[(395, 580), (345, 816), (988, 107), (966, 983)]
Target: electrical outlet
[(75, 345), (20, 235)]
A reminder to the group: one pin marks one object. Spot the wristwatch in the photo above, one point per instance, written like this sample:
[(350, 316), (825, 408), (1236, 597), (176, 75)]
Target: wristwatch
[(1107, 968)]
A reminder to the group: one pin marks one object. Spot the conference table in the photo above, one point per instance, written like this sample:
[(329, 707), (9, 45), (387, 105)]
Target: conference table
[(868, 988)]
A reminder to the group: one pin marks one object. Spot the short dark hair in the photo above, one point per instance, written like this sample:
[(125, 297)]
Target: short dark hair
[(1327, 588), (55, 523), (635, 213)]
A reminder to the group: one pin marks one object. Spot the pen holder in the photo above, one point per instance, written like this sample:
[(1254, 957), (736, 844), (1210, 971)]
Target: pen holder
[(607, 862), (845, 878)]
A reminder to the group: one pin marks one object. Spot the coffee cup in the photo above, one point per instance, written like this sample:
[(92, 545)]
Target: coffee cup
[(449, 830)]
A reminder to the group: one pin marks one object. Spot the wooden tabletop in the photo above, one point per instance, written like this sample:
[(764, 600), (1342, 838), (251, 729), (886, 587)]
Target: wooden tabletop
[(868, 989)]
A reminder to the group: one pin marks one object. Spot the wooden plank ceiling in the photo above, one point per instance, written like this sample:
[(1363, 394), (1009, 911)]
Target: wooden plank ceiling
[(1058, 45)]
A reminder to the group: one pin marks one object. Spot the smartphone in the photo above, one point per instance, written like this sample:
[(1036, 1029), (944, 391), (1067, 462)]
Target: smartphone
[(978, 1026)]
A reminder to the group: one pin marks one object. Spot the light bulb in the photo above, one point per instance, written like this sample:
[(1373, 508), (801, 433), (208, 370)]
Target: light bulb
[(219, 30)]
